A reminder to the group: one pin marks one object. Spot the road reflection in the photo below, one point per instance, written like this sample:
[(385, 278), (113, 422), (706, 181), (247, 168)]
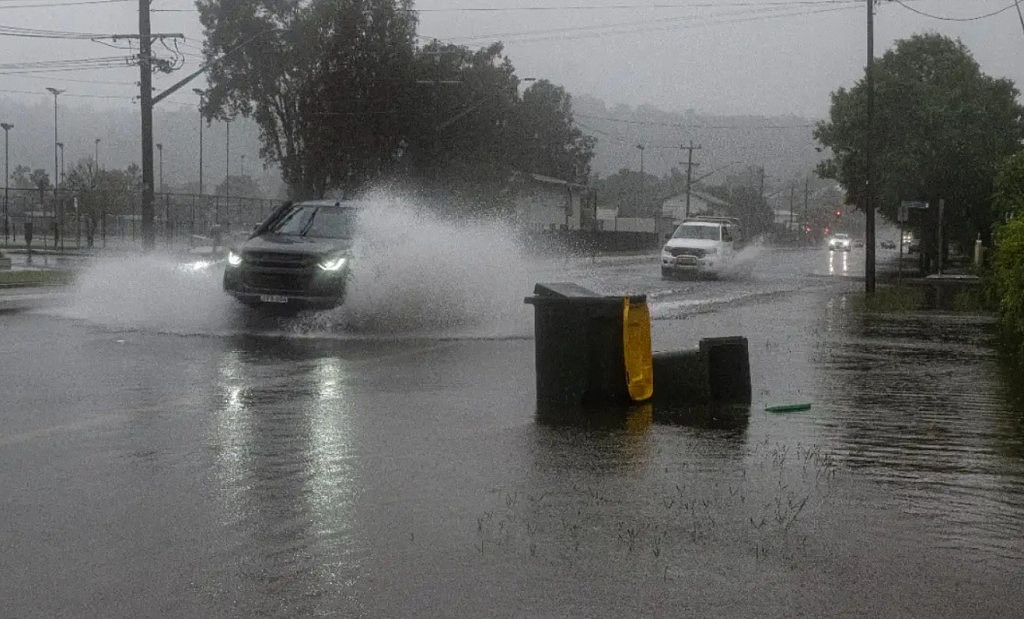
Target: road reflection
[(838, 262), (284, 451)]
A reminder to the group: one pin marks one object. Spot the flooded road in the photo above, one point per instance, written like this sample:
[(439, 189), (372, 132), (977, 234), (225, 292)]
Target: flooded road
[(198, 462)]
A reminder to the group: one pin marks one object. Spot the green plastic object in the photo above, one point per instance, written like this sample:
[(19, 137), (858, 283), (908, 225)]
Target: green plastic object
[(788, 408)]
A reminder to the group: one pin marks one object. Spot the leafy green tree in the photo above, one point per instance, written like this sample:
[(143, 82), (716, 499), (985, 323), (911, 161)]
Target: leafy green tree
[(1008, 263), (40, 179), (325, 80), (101, 192), (634, 195), (457, 144), (1009, 187), (547, 141), (20, 177), (941, 128)]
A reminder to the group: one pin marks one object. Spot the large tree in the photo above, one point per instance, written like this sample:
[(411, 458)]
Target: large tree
[(548, 141), (941, 127), (325, 81)]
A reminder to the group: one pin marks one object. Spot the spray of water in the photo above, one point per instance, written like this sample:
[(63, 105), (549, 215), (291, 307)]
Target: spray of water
[(414, 271), (152, 293), (743, 264), (414, 274)]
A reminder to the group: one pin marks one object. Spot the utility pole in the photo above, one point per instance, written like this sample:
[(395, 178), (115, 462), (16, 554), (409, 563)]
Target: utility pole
[(7, 174), (200, 93), (689, 171), (146, 106), (807, 197), (869, 185), (227, 167), (640, 198)]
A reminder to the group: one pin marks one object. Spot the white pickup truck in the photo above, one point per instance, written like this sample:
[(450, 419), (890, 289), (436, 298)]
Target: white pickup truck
[(702, 246)]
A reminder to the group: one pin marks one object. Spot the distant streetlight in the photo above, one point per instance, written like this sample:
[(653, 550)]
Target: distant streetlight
[(201, 94), (56, 179), (160, 150), (7, 176), (96, 156)]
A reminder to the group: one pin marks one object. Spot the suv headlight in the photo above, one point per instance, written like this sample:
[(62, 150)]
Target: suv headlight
[(234, 258), (335, 263)]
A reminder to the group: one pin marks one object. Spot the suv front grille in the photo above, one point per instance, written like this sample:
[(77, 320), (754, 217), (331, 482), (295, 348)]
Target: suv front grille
[(278, 260), (686, 251)]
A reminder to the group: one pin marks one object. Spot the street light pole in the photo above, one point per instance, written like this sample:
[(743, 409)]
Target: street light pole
[(200, 93), (160, 153), (7, 175), (55, 92), (60, 145), (869, 185)]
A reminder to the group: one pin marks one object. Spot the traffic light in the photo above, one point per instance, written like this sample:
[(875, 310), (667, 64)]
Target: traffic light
[(839, 213)]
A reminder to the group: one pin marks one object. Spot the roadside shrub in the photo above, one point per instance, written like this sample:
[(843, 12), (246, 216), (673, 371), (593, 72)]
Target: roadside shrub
[(1008, 271)]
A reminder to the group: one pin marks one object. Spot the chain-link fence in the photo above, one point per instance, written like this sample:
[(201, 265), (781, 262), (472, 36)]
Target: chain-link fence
[(77, 220)]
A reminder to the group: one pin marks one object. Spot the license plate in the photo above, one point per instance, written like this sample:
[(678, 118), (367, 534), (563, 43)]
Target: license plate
[(273, 298), (686, 261)]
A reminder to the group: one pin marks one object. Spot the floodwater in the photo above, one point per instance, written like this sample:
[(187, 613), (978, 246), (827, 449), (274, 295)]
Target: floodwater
[(179, 459)]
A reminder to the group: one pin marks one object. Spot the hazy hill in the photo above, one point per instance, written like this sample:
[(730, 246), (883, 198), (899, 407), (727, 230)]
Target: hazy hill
[(730, 144), (782, 145)]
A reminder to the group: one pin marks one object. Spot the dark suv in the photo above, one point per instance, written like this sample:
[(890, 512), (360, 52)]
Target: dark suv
[(298, 258)]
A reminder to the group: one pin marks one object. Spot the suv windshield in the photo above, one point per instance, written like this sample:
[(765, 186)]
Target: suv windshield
[(707, 233), (331, 222)]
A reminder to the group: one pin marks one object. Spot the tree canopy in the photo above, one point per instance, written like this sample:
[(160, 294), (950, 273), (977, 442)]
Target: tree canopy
[(344, 98), (941, 128)]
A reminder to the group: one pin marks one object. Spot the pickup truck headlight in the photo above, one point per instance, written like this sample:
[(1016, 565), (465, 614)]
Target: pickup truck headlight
[(234, 258), (336, 263)]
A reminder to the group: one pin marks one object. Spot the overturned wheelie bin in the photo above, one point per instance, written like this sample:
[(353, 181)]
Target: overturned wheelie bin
[(590, 349), (596, 350)]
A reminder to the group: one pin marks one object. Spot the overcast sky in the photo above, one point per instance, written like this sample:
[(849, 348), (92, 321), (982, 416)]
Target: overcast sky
[(770, 57)]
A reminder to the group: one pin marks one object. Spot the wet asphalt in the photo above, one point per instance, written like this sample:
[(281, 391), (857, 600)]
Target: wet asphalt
[(242, 467)]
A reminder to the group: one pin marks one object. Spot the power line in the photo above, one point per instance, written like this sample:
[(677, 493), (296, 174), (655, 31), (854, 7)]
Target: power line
[(49, 5), (653, 123), (956, 19), (665, 24), (631, 7), (32, 33)]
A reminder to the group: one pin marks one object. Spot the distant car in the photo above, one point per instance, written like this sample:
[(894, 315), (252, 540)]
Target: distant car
[(840, 241), (702, 246), (298, 258), (888, 245)]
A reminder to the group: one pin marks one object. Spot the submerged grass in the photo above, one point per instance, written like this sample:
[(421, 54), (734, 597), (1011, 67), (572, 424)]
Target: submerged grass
[(889, 299), (892, 299), (49, 277)]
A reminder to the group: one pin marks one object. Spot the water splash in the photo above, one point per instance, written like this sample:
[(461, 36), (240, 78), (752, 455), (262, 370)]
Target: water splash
[(414, 273), (151, 293)]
